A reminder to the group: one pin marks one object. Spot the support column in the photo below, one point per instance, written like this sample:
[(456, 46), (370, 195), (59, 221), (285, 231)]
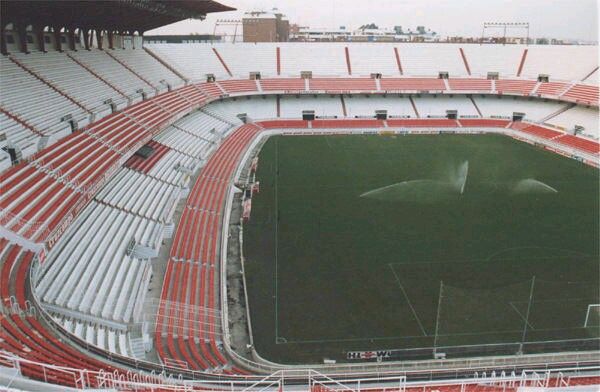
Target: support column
[(39, 33), (3, 38), (91, 39), (86, 38), (57, 43), (111, 40), (22, 35), (99, 39), (71, 38)]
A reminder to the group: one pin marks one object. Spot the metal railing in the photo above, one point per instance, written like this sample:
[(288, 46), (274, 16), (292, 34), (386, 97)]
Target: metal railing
[(280, 380)]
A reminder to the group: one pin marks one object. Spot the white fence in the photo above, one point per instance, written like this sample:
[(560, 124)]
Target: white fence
[(281, 381)]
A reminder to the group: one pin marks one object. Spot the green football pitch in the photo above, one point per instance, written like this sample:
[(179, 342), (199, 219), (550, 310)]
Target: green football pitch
[(405, 242)]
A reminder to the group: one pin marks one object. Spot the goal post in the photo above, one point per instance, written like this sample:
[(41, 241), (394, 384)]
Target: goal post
[(592, 316)]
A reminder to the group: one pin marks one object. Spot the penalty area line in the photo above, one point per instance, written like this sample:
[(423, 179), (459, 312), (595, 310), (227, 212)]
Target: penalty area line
[(521, 315), (408, 300)]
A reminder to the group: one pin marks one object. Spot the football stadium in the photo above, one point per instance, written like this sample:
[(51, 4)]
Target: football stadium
[(293, 213)]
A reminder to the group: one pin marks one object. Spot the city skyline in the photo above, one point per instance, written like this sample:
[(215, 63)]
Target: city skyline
[(561, 19)]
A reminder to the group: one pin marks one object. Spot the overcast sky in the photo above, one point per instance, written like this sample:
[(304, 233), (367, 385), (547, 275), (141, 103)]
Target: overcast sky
[(565, 19)]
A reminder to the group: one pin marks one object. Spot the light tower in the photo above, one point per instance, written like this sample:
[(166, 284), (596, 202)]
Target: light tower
[(505, 26)]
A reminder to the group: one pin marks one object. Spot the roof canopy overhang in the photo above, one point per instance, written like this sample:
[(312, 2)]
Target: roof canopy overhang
[(110, 15)]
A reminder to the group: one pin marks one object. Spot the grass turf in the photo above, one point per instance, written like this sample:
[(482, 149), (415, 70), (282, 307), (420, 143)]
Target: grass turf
[(329, 271)]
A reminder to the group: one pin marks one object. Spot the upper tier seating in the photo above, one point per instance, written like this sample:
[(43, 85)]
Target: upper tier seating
[(33, 101), (147, 67), (367, 58), (72, 79), (298, 57), (192, 60), (428, 60), (567, 62), (264, 58), (329, 59), (493, 58), (114, 73), (40, 194)]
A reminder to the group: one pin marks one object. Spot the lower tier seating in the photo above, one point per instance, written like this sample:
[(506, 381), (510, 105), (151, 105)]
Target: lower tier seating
[(106, 338), (188, 323), (588, 118), (25, 335), (579, 143), (95, 269), (191, 281)]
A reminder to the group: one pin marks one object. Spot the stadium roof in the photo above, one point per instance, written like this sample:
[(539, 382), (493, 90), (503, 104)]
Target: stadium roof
[(114, 15)]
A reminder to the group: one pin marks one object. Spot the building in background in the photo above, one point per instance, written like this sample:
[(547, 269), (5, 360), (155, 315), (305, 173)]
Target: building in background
[(365, 33), (182, 39), (265, 26)]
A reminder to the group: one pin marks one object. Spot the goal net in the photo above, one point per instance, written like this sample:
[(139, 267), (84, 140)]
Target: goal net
[(592, 316), (529, 312), (482, 316)]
